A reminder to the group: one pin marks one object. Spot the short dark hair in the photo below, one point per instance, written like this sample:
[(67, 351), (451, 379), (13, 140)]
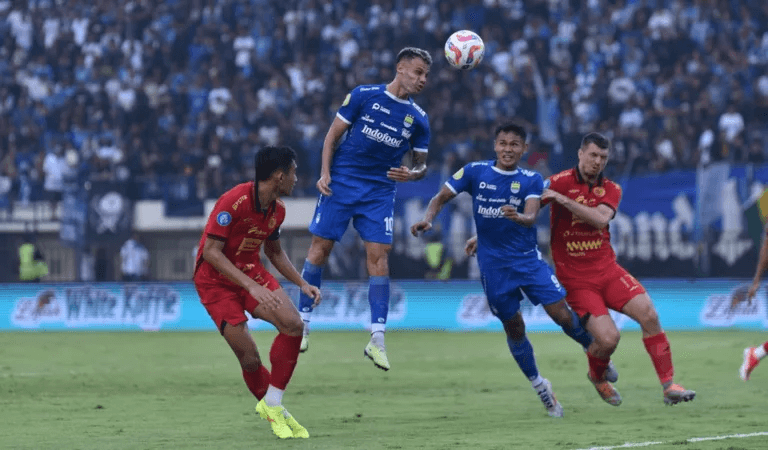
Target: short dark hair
[(413, 52), (270, 159), (511, 127), (597, 139)]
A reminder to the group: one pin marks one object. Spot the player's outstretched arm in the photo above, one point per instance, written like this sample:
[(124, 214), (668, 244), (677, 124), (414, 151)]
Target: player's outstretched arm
[(213, 254), (597, 216), (338, 127), (283, 264), (435, 205)]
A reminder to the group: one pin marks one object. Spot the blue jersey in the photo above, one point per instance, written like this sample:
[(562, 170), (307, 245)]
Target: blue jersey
[(382, 129), (500, 242)]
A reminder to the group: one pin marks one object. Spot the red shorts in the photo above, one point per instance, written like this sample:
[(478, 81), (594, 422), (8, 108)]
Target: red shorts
[(612, 288), (226, 303)]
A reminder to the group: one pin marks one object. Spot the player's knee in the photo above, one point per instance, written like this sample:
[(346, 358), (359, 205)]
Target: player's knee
[(293, 326), (378, 264), (515, 328), (319, 252), (250, 362), (608, 340), (561, 315), (650, 318), (516, 334)]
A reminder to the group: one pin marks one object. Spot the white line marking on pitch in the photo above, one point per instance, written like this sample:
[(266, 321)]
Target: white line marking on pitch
[(691, 440)]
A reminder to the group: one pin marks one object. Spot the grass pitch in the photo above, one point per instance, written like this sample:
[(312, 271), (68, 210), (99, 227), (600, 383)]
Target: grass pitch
[(88, 390)]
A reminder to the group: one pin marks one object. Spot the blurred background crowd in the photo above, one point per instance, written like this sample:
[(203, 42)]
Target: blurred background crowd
[(140, 90)]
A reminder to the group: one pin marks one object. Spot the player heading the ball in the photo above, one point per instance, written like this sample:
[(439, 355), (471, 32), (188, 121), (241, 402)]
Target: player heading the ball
[(357, 182)]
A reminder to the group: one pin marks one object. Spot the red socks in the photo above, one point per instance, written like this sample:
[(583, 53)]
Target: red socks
[(657, 347), (257, 382), (765, 346), (597, 366), (283, 355)]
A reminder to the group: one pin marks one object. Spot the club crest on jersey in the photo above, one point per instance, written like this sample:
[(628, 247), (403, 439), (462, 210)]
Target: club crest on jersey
[(514, 187), (599, 191), (223, 218), (346, 100), (459, 174), (408, 121), (272, 222)]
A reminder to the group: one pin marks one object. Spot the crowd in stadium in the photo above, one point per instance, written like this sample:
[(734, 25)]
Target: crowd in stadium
[(136, 90)]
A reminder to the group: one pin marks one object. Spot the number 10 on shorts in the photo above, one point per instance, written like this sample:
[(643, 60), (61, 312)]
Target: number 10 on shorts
[(389, 224)]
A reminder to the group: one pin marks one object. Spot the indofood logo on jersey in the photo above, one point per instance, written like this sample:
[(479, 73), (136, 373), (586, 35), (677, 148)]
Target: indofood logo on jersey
[(489, 212), (379, 136)]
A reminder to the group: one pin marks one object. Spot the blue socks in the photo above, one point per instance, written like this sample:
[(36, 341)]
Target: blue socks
[(378, 299), (577, 332), (522, 351), (312, 274)]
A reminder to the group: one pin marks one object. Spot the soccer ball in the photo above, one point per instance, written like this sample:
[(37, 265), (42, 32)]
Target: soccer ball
[(464, 49)]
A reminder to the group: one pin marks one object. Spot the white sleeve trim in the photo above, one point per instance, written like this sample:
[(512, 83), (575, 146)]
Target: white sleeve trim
[(343, 119), (421, 150), (532, 196), (448, 185)]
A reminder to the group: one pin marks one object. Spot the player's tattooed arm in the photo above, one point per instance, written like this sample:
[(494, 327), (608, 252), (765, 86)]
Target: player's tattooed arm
[(435, 205), (419, 169), (403, 173)]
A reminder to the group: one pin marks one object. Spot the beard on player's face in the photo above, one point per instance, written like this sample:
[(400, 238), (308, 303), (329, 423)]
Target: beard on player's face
[(592, 162), (591, 168)]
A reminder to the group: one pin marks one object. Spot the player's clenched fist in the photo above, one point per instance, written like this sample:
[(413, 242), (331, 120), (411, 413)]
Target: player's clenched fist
[(470, 248), (420, 227), (401, 174), (549, 194), (510, 212)]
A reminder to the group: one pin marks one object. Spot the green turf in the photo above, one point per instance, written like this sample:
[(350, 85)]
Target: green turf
[(446, 391)]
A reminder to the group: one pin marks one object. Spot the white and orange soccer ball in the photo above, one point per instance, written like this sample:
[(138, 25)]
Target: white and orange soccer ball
[(464, 49)]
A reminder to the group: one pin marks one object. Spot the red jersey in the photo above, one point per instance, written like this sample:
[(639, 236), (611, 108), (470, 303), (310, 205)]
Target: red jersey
[(238, 220), (578, 248)]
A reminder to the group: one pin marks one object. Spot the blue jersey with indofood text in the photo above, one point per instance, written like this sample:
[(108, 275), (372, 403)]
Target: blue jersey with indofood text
[(382, 129), (501, 242)]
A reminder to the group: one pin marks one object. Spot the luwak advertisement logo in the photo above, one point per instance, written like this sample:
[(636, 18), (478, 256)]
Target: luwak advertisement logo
[(379, 136)]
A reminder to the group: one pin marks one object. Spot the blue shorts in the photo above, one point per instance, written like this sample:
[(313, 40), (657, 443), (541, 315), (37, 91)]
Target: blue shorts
[(504, 287), (373, 218)]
